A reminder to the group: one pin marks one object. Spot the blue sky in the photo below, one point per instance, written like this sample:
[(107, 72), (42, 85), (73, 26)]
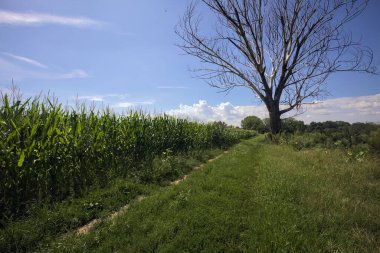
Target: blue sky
[(123, 53)]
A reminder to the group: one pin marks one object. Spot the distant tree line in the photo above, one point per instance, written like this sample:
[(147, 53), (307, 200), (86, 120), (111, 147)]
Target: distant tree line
[(328, 133), (292, 125), (289, 125)]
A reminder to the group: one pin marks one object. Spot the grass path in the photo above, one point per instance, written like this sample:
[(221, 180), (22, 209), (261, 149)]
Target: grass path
[(256, 198)]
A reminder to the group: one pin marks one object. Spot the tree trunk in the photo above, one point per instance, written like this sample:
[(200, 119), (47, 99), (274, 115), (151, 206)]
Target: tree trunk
[(274, 116), (275, 122)]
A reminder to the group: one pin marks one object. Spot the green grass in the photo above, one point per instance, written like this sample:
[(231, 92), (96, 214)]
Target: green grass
[(42, 224), (47, 222), (256, 198)]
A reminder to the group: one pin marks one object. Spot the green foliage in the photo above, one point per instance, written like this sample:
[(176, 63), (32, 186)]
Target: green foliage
[(254, 123), (327, 125), (49, 221), (356, 137), (291, 125), (48, 154), (301, 141), (374, 139)]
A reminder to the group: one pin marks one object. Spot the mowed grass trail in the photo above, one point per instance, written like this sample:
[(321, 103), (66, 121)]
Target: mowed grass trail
[(256, 198)]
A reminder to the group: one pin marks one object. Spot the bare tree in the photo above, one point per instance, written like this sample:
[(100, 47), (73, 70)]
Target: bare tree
[(282, 50)]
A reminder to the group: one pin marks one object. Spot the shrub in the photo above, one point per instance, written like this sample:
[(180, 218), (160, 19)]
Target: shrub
[(374, 139), (254, 123), (291, 125)]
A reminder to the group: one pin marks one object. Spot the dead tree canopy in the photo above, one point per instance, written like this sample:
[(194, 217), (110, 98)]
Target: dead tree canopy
[(282, 50)]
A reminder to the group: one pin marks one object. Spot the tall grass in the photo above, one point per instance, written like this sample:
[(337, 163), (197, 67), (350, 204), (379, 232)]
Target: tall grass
[(48, 153)]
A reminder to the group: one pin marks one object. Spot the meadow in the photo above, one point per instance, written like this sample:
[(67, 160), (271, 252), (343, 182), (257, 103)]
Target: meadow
[(303, 191), (259, 197)]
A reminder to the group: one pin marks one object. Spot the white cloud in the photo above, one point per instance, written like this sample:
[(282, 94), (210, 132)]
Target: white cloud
[(226, 112), (76, 73), (100, 98), (13, 70), (350, 109), (95, 98), (133, 104), (33, 18), (117, 96), (26, 60)]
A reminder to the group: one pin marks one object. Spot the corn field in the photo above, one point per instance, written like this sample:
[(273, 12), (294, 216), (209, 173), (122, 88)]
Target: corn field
[(48, 153)]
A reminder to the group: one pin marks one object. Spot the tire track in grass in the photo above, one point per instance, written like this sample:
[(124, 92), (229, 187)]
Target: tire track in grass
[(212, 200), (257, 198), (87, 227), (178, 181)]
